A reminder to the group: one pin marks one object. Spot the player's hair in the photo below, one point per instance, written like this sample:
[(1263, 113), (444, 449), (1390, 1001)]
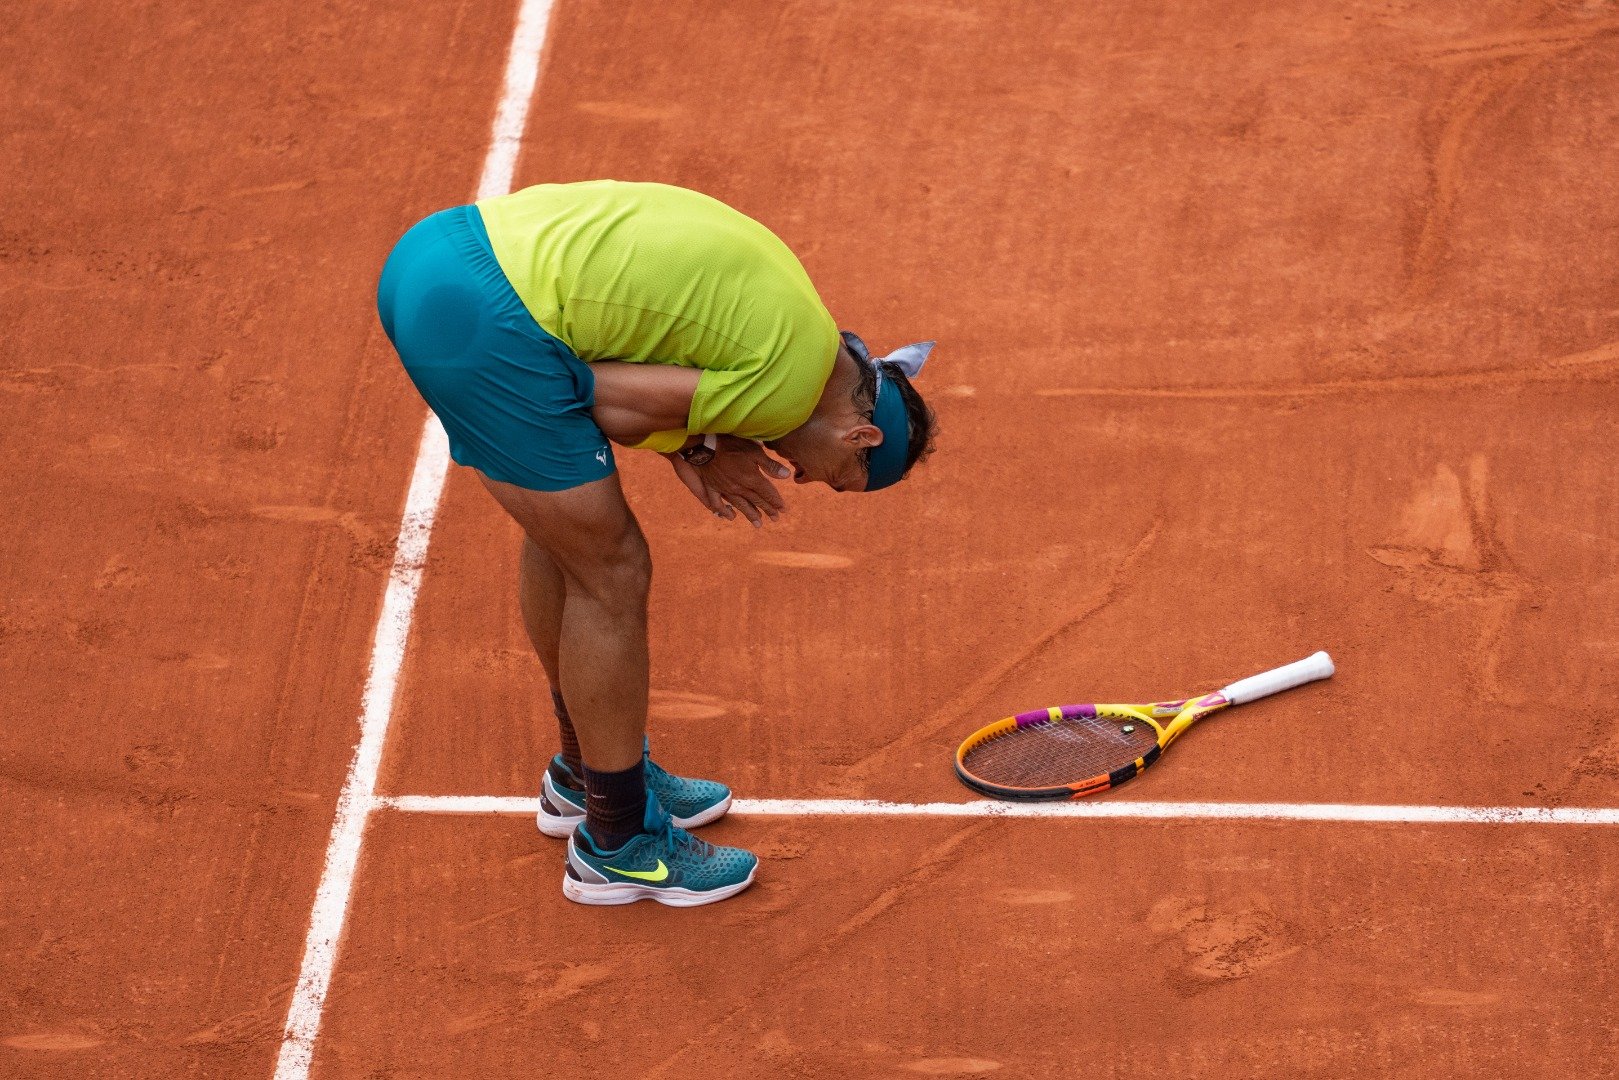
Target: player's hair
[(920, 418)]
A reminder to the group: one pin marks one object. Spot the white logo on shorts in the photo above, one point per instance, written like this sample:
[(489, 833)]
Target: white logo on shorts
[(601, 455)]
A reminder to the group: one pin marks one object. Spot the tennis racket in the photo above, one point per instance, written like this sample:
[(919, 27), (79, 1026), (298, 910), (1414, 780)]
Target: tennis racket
[(1071, 750)]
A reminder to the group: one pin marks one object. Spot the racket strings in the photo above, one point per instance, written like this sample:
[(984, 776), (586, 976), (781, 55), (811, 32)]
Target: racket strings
[(1060, 752)]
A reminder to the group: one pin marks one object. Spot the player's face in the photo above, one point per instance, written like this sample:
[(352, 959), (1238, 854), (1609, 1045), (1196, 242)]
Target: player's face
[(825, 460)]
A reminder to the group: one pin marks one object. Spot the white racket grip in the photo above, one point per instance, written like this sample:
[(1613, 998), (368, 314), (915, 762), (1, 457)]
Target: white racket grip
[(1311, 668)]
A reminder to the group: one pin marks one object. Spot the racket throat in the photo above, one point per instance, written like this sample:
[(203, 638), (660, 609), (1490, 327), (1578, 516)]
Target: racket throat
[(1191, 714)]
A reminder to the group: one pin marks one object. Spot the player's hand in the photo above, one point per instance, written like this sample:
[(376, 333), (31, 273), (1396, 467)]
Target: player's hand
[(736, 481)]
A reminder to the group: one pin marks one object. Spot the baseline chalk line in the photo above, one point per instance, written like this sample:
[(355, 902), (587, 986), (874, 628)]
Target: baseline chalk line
[(1149, 811), (356, 801)]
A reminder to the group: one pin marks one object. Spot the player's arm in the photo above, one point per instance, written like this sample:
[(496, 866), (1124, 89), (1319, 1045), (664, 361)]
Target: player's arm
[(634, 401)]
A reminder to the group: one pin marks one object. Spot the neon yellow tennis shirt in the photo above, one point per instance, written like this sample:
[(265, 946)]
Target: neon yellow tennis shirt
[(660, 275)]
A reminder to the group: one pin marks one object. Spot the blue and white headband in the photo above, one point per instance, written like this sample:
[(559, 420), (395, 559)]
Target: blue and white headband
[(885, 462)]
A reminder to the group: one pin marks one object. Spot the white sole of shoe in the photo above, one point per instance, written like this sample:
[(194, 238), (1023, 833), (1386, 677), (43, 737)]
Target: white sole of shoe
[(624, 892), (561, 827), (555, 824)]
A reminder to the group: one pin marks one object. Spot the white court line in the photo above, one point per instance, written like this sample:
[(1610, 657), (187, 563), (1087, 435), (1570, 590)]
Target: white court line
[(1152, 811), (355, 802)]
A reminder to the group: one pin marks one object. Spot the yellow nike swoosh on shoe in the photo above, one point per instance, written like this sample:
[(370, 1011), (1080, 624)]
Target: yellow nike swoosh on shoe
[(645, 875)]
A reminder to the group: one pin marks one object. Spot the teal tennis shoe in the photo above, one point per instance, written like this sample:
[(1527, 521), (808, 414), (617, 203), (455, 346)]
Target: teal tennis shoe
[(662, 862), (690, 802)]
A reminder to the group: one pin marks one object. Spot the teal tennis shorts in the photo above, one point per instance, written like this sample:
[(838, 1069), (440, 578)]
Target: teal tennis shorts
[(513, 399)]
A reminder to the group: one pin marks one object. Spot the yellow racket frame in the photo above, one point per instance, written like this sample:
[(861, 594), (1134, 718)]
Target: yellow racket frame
[(1167, 719)]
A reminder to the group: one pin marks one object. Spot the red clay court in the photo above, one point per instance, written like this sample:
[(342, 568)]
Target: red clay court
[(1264, 327)]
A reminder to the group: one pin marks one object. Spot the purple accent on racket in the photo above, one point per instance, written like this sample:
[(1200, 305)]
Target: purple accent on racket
[(1043, 716)]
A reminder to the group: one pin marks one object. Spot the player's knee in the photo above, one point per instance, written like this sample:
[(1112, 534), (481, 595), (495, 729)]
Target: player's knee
[(619, 573), (634, 565)]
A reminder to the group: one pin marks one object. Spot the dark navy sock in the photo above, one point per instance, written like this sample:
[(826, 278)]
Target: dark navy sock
[(615, 805), (570, 741)]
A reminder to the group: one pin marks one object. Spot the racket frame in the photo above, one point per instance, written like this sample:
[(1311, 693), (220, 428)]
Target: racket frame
[(1168, 720), (1179, 714)]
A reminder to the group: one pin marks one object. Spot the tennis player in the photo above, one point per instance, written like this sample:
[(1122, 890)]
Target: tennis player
[(546, 325)]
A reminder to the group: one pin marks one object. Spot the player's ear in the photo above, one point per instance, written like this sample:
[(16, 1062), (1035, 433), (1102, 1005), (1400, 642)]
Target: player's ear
[(863, 435)]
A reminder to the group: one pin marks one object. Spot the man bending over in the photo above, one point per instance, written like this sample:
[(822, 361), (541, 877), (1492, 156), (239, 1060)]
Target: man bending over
[(544, 325)]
